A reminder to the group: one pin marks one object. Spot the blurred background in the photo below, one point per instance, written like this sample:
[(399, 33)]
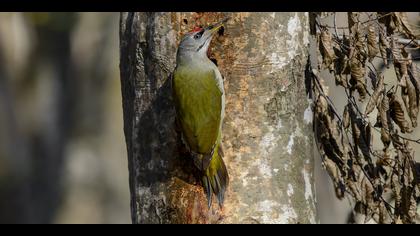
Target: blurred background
[(62, 148)]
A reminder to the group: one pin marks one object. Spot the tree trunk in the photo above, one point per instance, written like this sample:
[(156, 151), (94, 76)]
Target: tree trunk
[(267, 136)]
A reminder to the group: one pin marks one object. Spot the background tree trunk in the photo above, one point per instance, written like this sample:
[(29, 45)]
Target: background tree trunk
[(34, 156), (267, 136)]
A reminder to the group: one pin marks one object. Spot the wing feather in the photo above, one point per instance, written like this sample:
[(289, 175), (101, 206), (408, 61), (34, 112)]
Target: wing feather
[(199, 105)]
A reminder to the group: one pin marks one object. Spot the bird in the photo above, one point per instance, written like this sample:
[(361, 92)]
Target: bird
[(199, 98)]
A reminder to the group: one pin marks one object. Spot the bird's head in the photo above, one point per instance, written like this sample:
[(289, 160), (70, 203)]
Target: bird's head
[(198, 40)]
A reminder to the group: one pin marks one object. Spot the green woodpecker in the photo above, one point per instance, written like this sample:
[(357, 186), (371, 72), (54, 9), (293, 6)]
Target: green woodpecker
[(200, 103)]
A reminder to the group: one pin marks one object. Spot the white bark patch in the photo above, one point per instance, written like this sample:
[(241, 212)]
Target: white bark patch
[(293, 28), (306, 31), (150, 165), (270, 139), (308, 185), (144, 193), (279, 125), (289, 190), (146, 200), (290, 144), (244, 176), (244, 182), (269, 213), (277, 62), (267, 142), (308, 115), (266, 209), (265, 169), (171, 36), (288, 214)]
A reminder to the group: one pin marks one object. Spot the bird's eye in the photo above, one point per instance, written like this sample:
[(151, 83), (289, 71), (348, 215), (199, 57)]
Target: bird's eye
[(199, 34)]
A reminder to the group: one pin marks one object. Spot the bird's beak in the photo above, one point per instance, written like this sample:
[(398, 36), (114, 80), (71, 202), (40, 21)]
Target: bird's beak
[(209, 32), (212, 29), (215, 27)]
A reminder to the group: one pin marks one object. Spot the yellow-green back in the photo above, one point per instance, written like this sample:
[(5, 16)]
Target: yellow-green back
[(198, 100)]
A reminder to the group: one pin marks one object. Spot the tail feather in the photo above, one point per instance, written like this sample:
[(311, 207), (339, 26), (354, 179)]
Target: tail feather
[(216, 179), (207, 188), (223, 185)]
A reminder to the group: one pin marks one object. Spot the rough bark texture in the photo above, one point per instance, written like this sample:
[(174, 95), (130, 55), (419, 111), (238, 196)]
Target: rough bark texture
[(267, 136)]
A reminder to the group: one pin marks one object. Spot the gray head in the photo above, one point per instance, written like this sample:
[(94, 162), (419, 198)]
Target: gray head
[(196, 43)]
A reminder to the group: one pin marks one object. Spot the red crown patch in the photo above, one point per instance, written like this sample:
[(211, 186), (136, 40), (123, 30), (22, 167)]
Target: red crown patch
[(196, 29)]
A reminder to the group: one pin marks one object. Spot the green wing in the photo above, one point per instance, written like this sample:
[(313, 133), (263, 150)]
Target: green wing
[(198, 100)]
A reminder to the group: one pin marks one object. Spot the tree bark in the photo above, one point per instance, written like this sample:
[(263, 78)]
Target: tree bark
[(267, 136)]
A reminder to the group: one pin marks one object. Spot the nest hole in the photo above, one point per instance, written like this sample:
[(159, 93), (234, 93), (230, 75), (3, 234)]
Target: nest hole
[(221, 31)]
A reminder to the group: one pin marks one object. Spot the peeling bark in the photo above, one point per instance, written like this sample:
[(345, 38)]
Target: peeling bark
[(267, 135)]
